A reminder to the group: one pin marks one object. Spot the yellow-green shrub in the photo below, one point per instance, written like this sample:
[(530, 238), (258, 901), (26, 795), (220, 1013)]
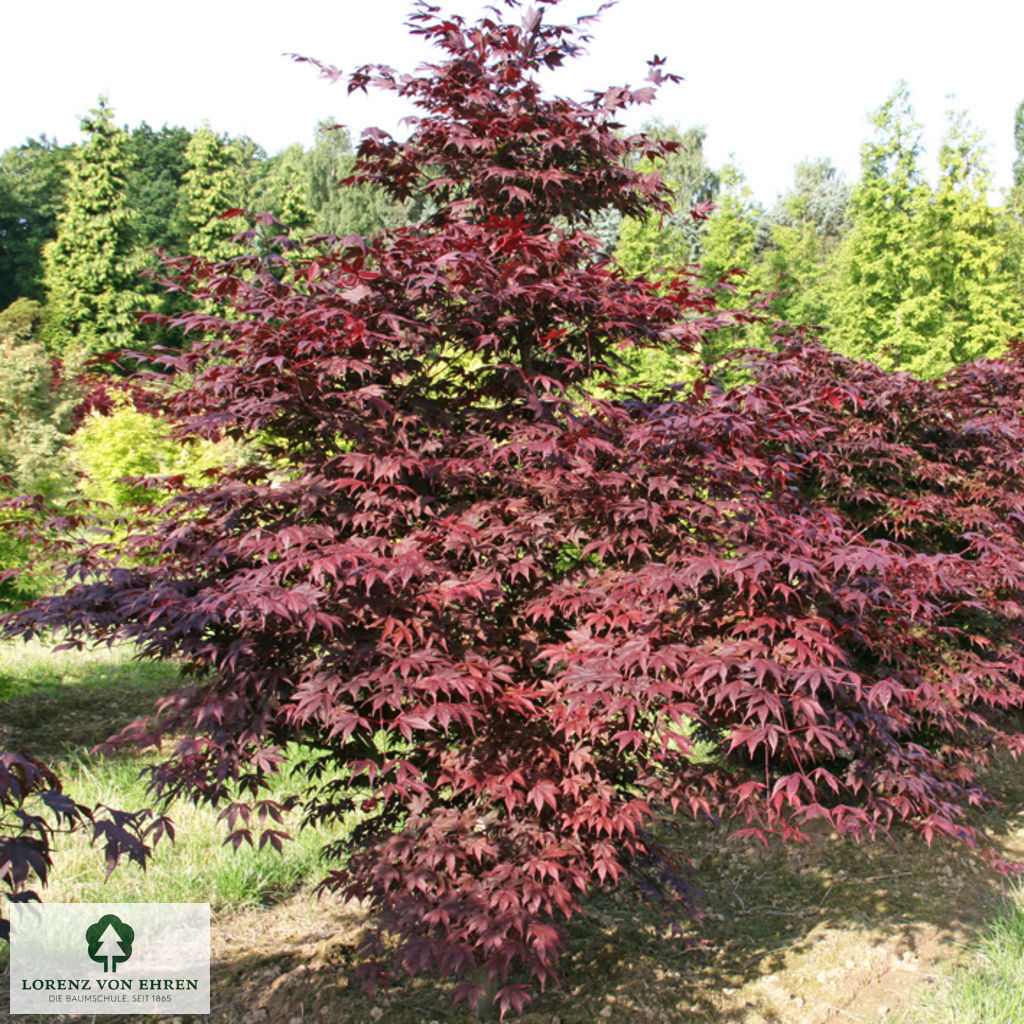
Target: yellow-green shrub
[(129, 443)]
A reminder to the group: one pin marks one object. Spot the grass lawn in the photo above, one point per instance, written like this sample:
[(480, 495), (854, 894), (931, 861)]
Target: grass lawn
[(988, 988), (58, 706)]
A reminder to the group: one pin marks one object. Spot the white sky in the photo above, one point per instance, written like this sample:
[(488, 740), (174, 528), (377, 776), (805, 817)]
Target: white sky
[(774, 83)]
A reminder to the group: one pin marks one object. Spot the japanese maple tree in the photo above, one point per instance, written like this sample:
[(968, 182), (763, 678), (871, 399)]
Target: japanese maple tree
[(496, 610)]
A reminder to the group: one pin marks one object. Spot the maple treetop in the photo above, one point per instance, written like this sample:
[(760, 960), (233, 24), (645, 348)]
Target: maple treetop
[(487, 143)]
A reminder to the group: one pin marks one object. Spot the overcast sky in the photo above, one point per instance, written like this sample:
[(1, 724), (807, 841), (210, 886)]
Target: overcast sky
[(774, 83)]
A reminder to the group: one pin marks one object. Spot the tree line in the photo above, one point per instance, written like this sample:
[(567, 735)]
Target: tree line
[(891, 268), (911, 275), (79, 222)]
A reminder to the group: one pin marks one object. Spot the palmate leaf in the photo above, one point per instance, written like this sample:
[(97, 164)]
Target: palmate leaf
[(26, 837)]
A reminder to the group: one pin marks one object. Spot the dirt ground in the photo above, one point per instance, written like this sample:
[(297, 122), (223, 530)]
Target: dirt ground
[(795, 936), (833, 932)]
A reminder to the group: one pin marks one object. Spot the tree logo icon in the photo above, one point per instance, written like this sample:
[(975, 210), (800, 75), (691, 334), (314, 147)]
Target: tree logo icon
[(110, 942)]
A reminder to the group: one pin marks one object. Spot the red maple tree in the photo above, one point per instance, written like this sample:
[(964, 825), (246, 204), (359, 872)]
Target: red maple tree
[(500, 613)]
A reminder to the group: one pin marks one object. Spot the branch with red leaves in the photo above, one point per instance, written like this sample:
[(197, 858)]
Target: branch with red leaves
[(34, 807)]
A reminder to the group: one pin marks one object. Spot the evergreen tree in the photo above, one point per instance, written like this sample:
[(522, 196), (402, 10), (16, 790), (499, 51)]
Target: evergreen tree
[(251, 167), (284, 189), (35, 405), (925, 280), (35, 408), (158, 166), (8, 227), (91, 267), (731, 232), (648, 245), (1017, 189), (727, 251), (155, 180), (211, 186), (363, 210), (968, 245), (805, 227), (660, 246), (877, 280), (1015, 202), (724, 245), (653, 246)]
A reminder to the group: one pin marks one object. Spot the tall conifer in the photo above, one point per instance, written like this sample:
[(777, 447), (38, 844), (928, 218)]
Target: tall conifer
[(32, 187), (1018, 144), (212, 186), (727, 258), (284, 189), (968, 245), (646, 246), (90, 268), (874, 308), (925, 279), (805, 227), (361, 210)]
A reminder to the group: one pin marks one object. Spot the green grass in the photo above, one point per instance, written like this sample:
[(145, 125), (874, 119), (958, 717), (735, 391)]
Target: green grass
[(58, 706), (61, 704), (197, 867), (35, 668), (988, 988)]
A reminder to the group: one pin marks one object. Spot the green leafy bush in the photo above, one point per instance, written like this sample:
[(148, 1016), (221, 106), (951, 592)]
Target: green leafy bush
[(35, 404), (112, 451)]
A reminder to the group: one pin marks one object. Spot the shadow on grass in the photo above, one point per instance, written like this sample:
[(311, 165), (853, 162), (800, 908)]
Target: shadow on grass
[(60, 705)]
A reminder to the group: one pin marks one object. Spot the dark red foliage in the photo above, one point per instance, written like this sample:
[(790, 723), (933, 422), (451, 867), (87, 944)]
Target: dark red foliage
[(101, 394), (500, 613), (26, 828)]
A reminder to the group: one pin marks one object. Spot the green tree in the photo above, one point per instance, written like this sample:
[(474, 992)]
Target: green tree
[(730, 234), (284, 189), (647, 246), (1015, 200), (212, 184), (362, 210), (878, 282), (32, 188), (971, 247), (926, 279), (154, 179), (35, 405), (91, 267), (659, 246), (124, 442), (805, 227), (725, 245), (1016, 194), (252, 166), (654, 246), (728, 250), (35, 420)]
